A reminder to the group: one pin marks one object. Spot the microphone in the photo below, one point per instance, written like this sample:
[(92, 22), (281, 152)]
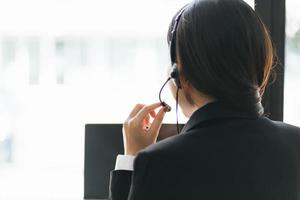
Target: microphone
[(167, 108)]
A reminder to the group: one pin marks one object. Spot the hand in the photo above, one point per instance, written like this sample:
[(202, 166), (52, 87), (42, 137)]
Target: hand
[(138, 132)]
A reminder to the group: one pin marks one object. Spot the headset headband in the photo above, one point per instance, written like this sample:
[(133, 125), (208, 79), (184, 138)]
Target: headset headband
[(173, 36)]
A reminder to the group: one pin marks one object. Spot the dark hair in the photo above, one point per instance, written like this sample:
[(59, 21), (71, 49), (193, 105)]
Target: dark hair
[(225, 51)]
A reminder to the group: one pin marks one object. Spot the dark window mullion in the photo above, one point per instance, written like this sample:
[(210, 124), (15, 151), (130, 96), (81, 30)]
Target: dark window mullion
[(273, 14)]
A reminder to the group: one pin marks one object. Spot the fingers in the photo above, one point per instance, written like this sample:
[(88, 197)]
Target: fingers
[(135, 110), (138, 132), (153, 114), (147, 120), (142, 113), (156, 124)]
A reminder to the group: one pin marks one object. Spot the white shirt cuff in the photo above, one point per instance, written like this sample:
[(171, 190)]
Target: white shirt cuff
[(124, 162)]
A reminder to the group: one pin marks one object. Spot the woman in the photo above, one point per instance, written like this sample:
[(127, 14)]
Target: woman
[(222, 57)]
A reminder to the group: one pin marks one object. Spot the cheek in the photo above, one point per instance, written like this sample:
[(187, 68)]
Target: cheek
[(181, 96), (172, 87)]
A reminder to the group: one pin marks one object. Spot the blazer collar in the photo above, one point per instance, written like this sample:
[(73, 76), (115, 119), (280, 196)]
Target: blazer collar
[(214, 110)]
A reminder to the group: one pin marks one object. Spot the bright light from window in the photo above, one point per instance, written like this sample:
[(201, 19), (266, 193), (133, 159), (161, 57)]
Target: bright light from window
[(292, 60)]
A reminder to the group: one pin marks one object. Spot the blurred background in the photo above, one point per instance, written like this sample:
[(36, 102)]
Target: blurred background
[(65, 63), (292, 63)]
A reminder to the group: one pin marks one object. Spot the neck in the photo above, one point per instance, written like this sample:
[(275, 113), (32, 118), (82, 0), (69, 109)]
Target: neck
[(197, 105)]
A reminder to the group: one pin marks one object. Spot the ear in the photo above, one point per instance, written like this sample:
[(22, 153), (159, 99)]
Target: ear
[(175, 75)]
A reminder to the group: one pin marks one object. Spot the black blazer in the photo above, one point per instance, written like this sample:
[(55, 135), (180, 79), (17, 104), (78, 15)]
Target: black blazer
[(220, 154)]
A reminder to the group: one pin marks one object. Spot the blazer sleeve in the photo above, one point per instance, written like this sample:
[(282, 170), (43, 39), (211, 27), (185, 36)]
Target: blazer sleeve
[(119, 185), (128, 185)]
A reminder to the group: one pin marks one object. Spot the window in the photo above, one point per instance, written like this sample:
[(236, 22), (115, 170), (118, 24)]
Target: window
[(67, 63), (292, 63)]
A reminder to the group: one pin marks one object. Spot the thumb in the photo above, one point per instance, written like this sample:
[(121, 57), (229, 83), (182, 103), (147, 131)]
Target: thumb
[(157, 122)]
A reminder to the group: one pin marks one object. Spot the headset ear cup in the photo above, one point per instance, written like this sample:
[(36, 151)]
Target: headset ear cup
[(175, 75)]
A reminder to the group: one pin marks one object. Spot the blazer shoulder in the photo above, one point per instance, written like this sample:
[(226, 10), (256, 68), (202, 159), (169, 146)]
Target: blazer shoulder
[(281, 126), (280, 132), (275, 130), (168, 146)]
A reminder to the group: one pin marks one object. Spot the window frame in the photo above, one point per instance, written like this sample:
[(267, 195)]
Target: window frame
[(273, 14)]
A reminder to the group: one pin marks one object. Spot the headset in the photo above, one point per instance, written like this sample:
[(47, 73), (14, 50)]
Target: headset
[(174, 71)]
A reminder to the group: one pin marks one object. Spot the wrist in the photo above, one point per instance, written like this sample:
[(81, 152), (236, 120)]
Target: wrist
[(130, 153)]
